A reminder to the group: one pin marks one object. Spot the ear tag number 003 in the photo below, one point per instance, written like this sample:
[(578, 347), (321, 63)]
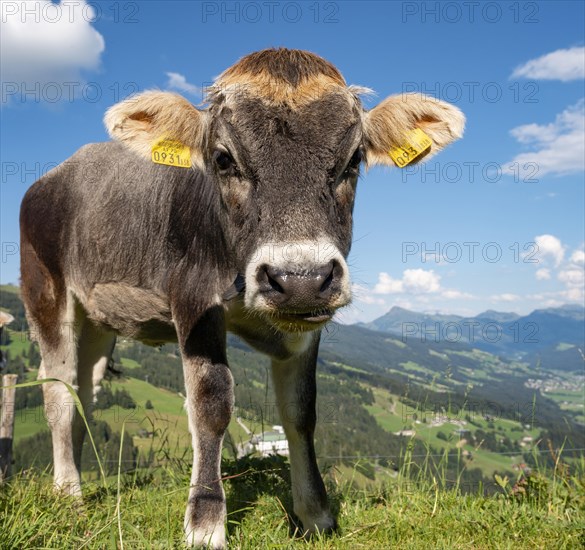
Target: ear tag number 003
[(416, 144), (172, 153)]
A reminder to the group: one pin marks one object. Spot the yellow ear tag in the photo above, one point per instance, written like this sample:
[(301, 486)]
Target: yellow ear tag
[(416, 144), (172, 153)]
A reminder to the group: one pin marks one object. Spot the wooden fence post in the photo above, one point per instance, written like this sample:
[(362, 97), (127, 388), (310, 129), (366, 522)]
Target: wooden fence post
[(7, 409), (7, 424)]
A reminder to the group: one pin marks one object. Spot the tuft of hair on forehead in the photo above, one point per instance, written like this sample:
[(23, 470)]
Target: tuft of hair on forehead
[(287, 66), (279, 76)]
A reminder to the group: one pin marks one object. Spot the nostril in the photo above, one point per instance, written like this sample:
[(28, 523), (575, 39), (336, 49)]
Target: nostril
[(267, 278), (275, 286), (327, 282), (332, 272)]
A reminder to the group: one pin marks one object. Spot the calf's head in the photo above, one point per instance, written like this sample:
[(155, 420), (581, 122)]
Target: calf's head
[(283, 137)]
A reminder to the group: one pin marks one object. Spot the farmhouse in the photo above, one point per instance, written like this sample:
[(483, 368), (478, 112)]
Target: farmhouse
[(271, 442)]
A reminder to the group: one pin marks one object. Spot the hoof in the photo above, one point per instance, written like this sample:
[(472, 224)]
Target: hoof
[(197, 539), (324, 524), (68, 489)]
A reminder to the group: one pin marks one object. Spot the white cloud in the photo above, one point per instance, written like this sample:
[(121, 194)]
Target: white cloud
[(367, 299), (574, 294), (388, 285), (558, 147), (45, 43), (451, 294), (558, 297), (178, 82), (421, 281), (572, 277), (506, 297), (414, 281), (362, 294), (564, 65), (570, 273), (550, 246), (547, 299), (578, 257)]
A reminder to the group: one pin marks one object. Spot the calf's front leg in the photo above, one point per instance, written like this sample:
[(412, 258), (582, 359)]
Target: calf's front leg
[(209, 388), (296, 390)]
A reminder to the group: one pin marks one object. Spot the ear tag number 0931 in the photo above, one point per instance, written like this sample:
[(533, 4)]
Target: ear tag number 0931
[(417, 143), (171, 152)]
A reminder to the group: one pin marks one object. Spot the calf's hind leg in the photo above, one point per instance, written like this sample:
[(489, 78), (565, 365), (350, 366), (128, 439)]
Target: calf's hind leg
[(94, 351), (78, 356)]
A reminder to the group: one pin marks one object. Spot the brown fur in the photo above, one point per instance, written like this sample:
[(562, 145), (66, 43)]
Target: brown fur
[(291, 66), (44, 294), (280, 76)]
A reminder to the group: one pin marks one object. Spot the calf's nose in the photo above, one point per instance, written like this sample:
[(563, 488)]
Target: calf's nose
[(303, 291)]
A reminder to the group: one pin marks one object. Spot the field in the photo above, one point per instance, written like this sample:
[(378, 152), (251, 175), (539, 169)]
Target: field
[(145, 510)]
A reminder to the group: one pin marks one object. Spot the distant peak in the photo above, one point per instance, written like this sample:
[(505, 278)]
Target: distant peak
[(397, 309)]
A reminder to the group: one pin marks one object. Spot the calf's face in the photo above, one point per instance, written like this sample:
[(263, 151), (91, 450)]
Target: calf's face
[(287, 178), (283, 138)]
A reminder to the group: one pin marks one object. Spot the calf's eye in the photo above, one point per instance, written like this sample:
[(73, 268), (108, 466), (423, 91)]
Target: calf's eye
[(356, 158), (223, 160), (354, 164)]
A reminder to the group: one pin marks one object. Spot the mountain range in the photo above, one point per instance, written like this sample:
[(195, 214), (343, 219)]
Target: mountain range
[(501, 333)]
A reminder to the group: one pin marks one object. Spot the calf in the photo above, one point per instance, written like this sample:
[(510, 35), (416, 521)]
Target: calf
[(237, 217)]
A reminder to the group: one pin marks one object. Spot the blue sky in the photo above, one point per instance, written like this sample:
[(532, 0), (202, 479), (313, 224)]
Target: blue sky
[(501, 211)]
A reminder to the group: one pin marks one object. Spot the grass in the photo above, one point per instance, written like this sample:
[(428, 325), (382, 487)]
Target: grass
[(10, 288), (402, 515), (129, 363), (388, 421), (20, 341), (167, 421), (168, 412), (571, 397), (28, 422), (144, 509), (163, 401), (394, 513)]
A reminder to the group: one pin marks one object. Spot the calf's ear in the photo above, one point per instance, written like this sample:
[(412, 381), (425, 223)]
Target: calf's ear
[(390, 124), (142, 120)]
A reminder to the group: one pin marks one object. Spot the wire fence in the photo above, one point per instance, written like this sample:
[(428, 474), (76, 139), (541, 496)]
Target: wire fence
[(398, 457)]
